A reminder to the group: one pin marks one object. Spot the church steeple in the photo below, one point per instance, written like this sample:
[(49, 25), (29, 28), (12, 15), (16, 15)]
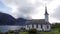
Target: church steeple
[(46, 15)]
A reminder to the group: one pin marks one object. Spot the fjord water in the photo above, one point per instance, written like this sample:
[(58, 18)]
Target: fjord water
[(6, 28)]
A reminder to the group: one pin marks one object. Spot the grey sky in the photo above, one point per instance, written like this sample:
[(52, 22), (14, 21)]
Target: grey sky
[(33, 8)]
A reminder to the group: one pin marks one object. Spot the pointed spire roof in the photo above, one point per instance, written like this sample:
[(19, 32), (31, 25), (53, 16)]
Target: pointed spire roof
[(46, 13)]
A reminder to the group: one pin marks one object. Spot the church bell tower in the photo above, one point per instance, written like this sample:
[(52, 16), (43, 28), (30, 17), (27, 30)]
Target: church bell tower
[(46, 15)]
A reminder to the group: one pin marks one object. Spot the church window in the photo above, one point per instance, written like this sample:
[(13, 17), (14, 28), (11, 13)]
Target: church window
[(32, 25), (27, 26), (37, 26), (41, 26), (47, 26)]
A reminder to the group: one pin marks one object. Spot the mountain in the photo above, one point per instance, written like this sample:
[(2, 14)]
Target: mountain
[(21, 21), (6, 19)]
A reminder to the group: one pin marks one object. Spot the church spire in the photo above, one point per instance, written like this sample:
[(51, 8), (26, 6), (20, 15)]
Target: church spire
[(46, 13)]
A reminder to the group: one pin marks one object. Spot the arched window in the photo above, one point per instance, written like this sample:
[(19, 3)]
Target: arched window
[(47, 26), (27, 26), (36, 25), (32, 25), (41, 26)]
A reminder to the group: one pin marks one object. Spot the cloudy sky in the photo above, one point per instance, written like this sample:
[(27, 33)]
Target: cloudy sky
[(31, 9)]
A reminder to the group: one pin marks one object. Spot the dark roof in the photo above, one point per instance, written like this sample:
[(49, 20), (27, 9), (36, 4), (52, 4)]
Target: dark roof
[(37, 21)]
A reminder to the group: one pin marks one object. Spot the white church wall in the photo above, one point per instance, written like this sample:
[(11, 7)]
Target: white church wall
[(46, 18), (35, 26), (49, 28), (46, 27), (27, 27), (30, 26), (39, 27)]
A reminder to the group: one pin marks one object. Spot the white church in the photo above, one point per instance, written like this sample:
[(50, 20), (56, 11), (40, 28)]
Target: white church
[(39, 24)]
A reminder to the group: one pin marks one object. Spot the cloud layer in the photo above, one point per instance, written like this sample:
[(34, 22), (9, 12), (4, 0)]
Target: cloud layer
[(56, 14), (33, 8), (24, 8)]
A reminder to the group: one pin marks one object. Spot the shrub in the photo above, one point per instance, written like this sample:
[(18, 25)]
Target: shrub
[(22, 29), (59, 30), (32, 31), (1, 32), (11, 31)]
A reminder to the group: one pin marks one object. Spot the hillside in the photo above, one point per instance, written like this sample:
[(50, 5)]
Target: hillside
[(6, 19)]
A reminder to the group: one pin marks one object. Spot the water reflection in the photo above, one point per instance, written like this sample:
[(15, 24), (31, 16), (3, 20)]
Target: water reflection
[(6, 28)]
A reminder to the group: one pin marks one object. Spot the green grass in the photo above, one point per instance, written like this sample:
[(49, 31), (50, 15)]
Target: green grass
[(50, 32), (23, 32), (53, 31)]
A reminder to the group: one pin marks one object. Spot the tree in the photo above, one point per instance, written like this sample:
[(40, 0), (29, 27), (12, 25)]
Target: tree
[(56, 25)]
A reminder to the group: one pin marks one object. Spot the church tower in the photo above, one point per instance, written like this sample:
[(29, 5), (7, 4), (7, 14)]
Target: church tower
[(46, 15)]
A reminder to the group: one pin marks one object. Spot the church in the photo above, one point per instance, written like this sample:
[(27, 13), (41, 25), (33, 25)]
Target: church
[(39, 24)]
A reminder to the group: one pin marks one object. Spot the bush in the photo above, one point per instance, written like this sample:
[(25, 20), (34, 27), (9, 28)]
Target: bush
[(1, 32), (32, 31), (22, 30), (59, 30), (11, 31)]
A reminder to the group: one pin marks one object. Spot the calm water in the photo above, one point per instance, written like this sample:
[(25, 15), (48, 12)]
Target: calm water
[(6, 28)]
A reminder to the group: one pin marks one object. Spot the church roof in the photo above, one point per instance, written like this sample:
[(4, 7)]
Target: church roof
[(37, 21)]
